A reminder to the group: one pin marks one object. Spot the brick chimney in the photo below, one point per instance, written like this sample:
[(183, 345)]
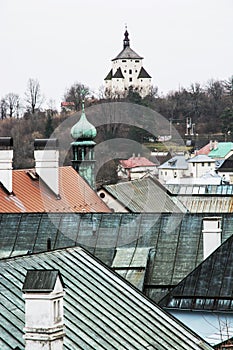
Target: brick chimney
[(6, 158), (46, 156), (44, 325), (211, 235)]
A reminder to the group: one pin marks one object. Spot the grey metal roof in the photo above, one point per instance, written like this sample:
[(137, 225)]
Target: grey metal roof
[(101, 311), (175, 239), (40, 280), (200, 158), (127, 53), (143, 74), (177, 162), (144, 195), (118, 74), (209, 286)]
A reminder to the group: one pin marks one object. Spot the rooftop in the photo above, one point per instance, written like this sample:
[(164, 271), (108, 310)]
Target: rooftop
[(32, 195), (134, 162), (101, 310)]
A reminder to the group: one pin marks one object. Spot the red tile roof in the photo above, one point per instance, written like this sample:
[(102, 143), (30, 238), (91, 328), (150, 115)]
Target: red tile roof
[(134, 162), (32, 195), (204, 150)]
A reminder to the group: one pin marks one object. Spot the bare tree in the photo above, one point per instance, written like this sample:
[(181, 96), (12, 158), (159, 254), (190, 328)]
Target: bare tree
[(3, 108), (13, 104), (33, 95), (76, 93)]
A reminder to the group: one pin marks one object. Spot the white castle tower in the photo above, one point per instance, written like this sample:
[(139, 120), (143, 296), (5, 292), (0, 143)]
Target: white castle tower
[(127, 72)]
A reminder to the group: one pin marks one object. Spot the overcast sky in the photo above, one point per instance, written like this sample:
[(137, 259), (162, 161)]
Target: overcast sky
[(60, 42)]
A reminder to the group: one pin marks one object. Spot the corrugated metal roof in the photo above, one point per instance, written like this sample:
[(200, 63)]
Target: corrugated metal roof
[(176, 239), (32, 195), (209, 287), (101, 311), (145, 195), (210, 204)]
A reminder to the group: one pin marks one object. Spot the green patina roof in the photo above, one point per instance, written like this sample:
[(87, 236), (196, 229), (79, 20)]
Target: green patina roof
[(101, 310), (83, 143), (222, 150), (83, 129)]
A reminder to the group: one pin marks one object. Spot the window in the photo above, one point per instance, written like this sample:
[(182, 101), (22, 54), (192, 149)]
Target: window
[(136, 61), (123, 60), (165, 173), (202, 164), (125, 71), (161, 172), (175, 174), (193, 164), (136, 71), (208, 163), (130, 71), (141, 80), (102, 194), (130, 79), (57, 310)]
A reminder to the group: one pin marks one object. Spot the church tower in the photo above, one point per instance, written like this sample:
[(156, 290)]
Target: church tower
[(127, 72), (83, 132)]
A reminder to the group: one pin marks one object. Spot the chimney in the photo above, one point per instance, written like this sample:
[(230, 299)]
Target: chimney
[(215, 144), (44, 324), (46, 156), (211, 235), (6, 157)]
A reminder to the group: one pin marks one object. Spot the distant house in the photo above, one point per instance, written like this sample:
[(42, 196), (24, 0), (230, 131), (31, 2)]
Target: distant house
[(200, 165), (136, 167), (67, 106), (101, 310), (204, 299), (141, 195), (174, 168)]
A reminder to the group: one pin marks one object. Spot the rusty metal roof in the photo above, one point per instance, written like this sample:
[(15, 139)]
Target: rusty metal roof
[(32, 195)]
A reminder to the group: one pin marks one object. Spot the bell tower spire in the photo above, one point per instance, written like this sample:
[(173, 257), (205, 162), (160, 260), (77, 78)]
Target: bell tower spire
[(126, 38)]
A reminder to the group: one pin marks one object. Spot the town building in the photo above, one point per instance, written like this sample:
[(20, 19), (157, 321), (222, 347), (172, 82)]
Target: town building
[(101, 309), (136, 167), (175, 168), (127, 73)]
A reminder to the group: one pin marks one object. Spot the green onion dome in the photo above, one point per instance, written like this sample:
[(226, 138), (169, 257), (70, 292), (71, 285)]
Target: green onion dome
[(83, 129)]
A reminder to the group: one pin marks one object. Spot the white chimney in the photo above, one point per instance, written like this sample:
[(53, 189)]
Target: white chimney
[(215, 144), (211, 145), (211, 235), (6, 158), (46, 156), (44, 323)]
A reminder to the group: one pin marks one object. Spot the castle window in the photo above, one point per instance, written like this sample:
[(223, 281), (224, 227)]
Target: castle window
[(136, 61), (130, 79), (125, 71), (136, 71), (123, 60), (130, 71)]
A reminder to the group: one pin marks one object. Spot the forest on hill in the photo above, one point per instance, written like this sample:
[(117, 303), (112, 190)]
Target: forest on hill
[(209, 106)]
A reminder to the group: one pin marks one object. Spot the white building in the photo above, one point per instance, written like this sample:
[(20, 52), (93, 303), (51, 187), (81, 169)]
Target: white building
[(127, 72), (200, 165), (174, 168)]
